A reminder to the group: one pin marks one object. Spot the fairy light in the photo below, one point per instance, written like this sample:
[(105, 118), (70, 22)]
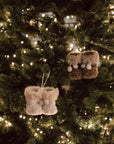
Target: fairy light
[(51, 47), (31, 63), (40, 24), (80, 128), (106, 118), (41, 132), (28, 9), (58, 141), (55, 19), (110, 119), (27, 35), (30, 119), (7, 56), (110, 86), (51, 127), (43, 15), (1, 24), (1, 119), (12, 63), (36, 119), (37, 48), (75, 26), (44, 60), (72, 16), (35, 134), (14, 55), (62, 142), (22, 65), (62, 137), (37, 129), (46, 29), (22, 42), (89, 126), (20, 116), (67, 17), (104, 57), (67, 133), (35, 43), (24, 117), (24, 51)]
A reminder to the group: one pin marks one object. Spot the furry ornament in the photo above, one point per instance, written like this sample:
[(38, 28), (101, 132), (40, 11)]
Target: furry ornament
[(83, 65), (90, 59), (74, 60), (41, 100)]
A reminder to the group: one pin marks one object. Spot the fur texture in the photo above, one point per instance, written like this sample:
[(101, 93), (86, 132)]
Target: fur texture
[(41, 100), (83, 65)]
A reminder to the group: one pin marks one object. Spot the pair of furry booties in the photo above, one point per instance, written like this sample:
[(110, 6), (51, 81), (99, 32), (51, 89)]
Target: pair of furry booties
[(83, 65), (41, 100)]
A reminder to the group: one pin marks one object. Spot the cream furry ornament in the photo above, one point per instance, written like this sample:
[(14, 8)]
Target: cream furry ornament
[(41, 100), (74, 60), (83, 65)]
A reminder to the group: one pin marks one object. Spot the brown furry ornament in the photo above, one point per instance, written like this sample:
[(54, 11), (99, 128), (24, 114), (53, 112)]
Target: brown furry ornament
[(83, 65), (89, 64), (74, 60)]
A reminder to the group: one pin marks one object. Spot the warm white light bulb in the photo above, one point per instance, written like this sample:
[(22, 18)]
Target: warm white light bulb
[(41, 132), (1, 24), (37, 129), (22, 65), (35, 134), (61, 136), (106, 118), (13, 63), (67, 133), (35, 43), (43, 15), (14, 55), (80, 128), (36, 119), (7, 56), (27, 35), (20, 116), (22, 42), (104, 57), (31, 63), (75, 26), (30, 119), (46, 29), (67, 17), (55, 19), (24, 51), (24, 117), (71, 45), (110, 119), (51, 127)]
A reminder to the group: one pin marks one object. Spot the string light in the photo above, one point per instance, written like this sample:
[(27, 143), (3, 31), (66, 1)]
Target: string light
[(51, 127), (89, 126), (27, 35), (14, 55), (1, 119), (20, 116), (36, 119), (51, 47), (35, 43), (7, 56), (67, 17), (22, 65), (61, 136), (46, 29), (30, 119), (110, 86), (106, 118), (13, 63), (110, 119), (55, 19), (104, 57), (67, 133), (1, 24), (43, 15), (24, 51), (75, 26), (28, 9), (41, 132), (24, 117), (80, 128), (44, 60), (35, 134), (31, 63), (71, 45), (38, 48), (22, 42), (37, 129)]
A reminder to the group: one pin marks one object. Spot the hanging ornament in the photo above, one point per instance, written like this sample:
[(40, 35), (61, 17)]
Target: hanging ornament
[(74, 60), (83, 65), (91, 60), (41, 100)]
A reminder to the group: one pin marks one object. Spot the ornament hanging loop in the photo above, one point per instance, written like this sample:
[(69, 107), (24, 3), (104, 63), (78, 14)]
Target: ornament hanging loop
[(43, 77)]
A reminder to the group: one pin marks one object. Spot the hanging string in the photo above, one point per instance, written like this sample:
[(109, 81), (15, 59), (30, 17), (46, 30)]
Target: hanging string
[(44, 82)]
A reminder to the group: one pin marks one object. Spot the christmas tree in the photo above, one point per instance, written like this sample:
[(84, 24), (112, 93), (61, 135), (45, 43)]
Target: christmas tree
[(35, 38)]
